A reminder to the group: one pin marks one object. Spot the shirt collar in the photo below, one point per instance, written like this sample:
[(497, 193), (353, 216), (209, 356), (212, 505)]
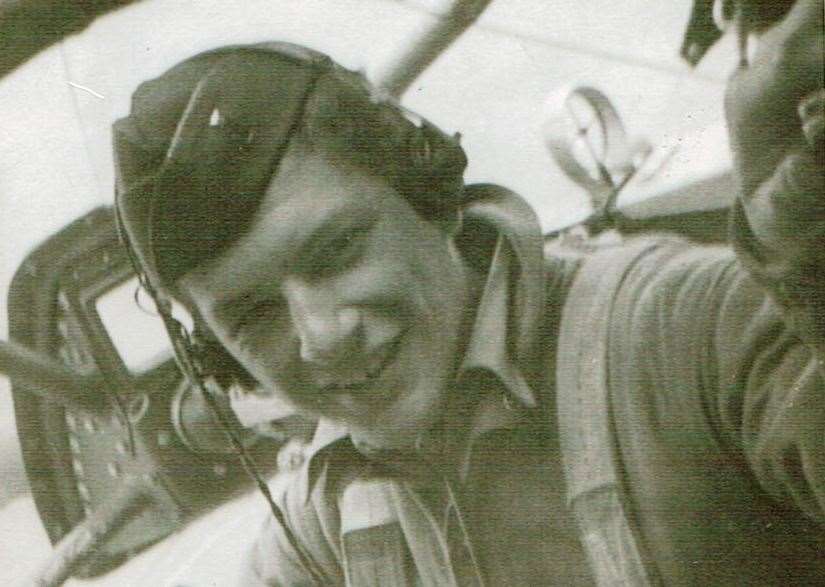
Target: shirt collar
[(489, 348), (503, 341)]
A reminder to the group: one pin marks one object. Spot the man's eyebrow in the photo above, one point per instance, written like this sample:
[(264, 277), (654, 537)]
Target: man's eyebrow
[(338, 222), (233, 306)]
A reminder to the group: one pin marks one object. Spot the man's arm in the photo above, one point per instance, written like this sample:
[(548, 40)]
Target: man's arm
[(712, 360), (768, 400), (751, 342), (776, 121), (771, 384)]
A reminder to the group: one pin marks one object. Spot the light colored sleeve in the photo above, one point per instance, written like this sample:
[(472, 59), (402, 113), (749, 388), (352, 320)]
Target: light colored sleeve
[(722, 357), (311, 514), (271, 562)]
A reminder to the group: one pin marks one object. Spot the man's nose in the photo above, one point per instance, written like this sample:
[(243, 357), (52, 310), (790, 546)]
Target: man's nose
[(328, 332)]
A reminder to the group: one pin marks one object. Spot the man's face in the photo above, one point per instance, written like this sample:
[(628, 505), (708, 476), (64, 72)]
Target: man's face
[(342, 300)]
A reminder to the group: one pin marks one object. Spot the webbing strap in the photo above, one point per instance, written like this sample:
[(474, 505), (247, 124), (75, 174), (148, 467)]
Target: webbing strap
[(591, 465)]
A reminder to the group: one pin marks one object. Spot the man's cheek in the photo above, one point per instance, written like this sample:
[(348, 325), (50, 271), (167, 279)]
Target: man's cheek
[(274, 366), (386, 287)]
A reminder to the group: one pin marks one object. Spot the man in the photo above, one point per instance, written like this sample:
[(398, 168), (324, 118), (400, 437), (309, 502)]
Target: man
[(490, 414)]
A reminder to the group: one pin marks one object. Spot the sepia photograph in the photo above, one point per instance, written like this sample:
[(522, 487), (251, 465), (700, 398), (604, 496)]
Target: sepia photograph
[(447, 293)]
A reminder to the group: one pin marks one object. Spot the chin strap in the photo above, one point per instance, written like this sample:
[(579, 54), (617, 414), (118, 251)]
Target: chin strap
[(185, 353), (186, 357)]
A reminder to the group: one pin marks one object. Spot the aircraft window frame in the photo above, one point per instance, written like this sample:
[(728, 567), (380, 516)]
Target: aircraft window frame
[(135, 359)]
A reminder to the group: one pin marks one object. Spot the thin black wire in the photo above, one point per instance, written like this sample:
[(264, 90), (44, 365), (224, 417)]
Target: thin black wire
[(182, 341), (184, 353), (455, 507)]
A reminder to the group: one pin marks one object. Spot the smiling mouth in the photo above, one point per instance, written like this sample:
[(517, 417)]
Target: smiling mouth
[(365, 381)]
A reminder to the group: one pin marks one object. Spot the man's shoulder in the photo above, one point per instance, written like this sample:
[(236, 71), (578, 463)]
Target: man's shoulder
[(578, 245), (567, 254), (655, 266)]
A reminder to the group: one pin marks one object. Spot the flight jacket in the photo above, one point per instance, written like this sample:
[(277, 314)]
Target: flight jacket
[(716, 412)]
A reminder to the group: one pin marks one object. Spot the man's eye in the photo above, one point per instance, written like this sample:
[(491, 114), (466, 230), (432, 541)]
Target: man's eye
[(264, 311), (339, 254)]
